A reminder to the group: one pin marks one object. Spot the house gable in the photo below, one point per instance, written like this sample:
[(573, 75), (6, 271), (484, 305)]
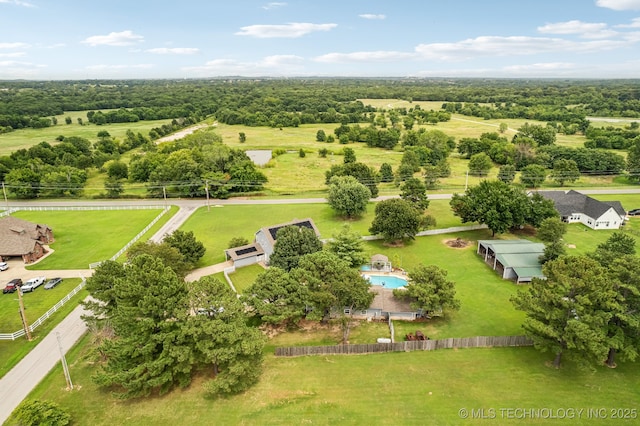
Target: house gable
[(576, 207)]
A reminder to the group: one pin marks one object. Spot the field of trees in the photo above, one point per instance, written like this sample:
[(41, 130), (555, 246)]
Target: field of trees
[(97, 139)]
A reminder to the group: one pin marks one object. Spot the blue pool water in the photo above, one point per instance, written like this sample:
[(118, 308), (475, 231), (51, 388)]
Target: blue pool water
[(387, 281), (365, 268)]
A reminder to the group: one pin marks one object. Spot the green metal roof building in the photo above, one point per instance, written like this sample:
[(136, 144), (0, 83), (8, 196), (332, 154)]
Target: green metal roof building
[(513, 259)]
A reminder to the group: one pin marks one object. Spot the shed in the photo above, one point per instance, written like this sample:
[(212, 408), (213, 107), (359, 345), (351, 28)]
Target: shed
[(516, 260)]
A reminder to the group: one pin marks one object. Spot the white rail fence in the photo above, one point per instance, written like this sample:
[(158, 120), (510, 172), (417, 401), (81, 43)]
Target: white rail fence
[(435, 231), (39, 321), (78, 208), (134, 239)]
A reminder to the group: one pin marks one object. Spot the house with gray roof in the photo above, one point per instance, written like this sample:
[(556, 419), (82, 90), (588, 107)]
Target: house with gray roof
[(575, 207), (21, 238), (516, 260), (264, 242)]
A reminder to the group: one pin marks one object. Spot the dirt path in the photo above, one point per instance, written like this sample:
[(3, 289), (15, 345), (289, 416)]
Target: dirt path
[(182, 133)]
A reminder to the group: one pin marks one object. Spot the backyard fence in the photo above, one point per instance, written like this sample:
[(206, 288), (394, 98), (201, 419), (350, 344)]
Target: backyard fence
[(39, 321), (136, 238), (408, 346)]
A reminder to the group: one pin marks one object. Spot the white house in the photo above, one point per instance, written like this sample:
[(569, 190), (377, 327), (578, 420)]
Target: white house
[(576, 207)]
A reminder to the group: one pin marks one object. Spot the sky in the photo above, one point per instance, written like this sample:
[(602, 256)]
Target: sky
[(116, 39)]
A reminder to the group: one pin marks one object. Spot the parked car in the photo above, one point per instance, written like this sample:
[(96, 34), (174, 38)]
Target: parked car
[(634, 212), (4, 266), (12, 286), (52, 283), (32, 284)]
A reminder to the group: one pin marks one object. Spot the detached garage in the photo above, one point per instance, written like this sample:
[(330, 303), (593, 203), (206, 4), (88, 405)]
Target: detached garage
[(515, 260)]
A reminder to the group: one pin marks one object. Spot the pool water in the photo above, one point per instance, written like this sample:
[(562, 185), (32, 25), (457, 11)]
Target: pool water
[(386, 281)]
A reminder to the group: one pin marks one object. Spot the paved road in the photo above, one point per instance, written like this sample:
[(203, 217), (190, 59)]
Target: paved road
[(21, 379)]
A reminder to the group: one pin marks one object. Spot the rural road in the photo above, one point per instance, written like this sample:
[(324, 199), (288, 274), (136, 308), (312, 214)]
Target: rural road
[(18, 382)]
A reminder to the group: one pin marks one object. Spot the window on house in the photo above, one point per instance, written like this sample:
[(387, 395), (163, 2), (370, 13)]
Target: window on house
[(347, 311)]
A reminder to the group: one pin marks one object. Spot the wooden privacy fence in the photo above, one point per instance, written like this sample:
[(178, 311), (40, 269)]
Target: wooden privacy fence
[(408, 346)]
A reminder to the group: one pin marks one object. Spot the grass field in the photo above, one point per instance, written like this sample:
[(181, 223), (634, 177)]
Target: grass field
[(385, 389), (83, 237), (24, 138), (216, 227)]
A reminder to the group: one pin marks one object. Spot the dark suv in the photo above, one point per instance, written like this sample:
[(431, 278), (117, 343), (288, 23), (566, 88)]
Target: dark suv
[(12, 286)]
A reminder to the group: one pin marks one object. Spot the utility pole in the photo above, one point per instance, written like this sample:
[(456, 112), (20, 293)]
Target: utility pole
[(4, 191), (206, 189), (27, 332), (466, 181), (65, 367), (164, 195)]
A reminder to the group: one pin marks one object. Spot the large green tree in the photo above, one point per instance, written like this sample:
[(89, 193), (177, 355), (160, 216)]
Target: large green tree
[(336, 289), (347, 244), (533, 175), (347, 196), (395, 220), (150, 351), (500, 206), (568, 313), (429, 290), (277, 298), (623, 330), (565, 171), (171, 256), (415, 192), (221, 340), (187, 244), (293, 242), (480, 164)]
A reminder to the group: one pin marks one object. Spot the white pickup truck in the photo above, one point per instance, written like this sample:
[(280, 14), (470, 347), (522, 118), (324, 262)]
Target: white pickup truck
[(32, 284)]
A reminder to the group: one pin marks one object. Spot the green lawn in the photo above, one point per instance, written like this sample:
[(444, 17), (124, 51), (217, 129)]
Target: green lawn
[(84, 237), (36, 303), (245, 276), (216, 227), (12, 351), (382, 389)]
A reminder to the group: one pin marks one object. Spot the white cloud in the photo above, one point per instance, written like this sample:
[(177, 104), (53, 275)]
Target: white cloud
[(584, 29), (373, 56), (280, 60), (510, 46), (275, 64), (12, 55), (635, 23), (291, 30), (14, 45), (372, 16), (174, 50), (101, 67), (123, 38), (619, 4), (18, 3), (544, 66), (273, 5)]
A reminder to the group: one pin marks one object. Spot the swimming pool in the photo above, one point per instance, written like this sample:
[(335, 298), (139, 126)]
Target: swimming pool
[(388, 281)]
